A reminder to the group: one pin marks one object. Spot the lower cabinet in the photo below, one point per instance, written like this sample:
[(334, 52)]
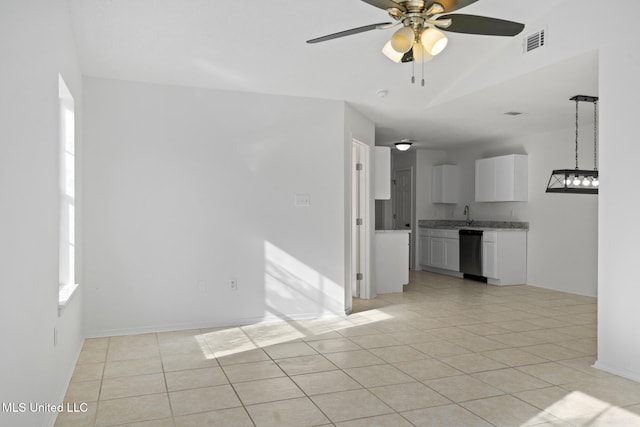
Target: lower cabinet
[(489, 259), (504, 257), (391, 260), (439, 249), (504, 254)]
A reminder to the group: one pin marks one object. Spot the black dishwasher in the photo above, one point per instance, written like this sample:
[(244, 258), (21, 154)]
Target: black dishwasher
[(471, 253)]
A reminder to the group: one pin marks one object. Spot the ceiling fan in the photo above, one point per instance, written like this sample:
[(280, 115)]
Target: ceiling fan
[(420, 39)]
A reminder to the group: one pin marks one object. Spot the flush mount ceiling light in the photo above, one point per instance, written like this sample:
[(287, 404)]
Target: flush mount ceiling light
[(422, 24), (579, 181), (403, 144)]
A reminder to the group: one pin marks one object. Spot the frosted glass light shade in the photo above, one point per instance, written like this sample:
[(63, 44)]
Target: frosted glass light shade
[(403, 39), (433, 40), (391, 53), (403, 145), (420, 54)]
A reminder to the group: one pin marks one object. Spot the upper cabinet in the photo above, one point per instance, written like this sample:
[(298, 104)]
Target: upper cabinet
[(444, 184), (502, 179), (382, 173)]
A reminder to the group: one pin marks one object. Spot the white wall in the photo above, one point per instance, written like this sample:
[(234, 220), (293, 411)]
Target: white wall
[(563, 228), (618, 291), (187, 188), (36, 44)]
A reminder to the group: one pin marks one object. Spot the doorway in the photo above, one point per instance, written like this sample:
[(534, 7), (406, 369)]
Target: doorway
[(403, 205)]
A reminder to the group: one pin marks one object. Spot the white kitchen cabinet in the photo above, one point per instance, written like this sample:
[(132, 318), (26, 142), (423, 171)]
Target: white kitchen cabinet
[(382, 173), (440, 250), (504, 257), (391, 260), (451, 254), (490, 255), (423, 245), (502, 179), (444, 184), (436, 251)]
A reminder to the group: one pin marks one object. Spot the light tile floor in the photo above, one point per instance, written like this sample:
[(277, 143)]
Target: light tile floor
[(446, 352)]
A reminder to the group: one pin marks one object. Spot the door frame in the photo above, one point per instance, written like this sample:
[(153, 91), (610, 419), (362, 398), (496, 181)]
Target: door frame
[(360, 245)]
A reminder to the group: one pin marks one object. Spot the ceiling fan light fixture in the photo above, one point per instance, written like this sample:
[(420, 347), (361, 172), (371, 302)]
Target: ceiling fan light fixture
[(433, 40), (403, 39), (403, 145), (391, 53), (420, 54)]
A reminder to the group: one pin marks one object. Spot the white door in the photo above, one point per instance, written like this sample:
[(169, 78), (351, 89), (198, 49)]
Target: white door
[(402, 214)]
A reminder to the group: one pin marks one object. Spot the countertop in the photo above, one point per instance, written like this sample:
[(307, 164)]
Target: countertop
[(475, 225), (393, 231)]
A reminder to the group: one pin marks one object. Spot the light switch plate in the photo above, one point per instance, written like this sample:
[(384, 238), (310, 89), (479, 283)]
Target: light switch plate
[(302, 199)]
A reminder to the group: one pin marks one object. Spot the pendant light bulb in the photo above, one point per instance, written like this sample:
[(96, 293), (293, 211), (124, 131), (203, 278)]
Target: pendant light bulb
[(403, 39), (391, 53), (586, 182), (420, 54), (576, 180), (595, 182), (433, 40)]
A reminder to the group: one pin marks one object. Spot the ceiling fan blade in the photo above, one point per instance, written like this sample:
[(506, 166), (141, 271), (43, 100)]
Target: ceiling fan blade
[(472, 24), (450, 5), (352, 31), (386, 4)]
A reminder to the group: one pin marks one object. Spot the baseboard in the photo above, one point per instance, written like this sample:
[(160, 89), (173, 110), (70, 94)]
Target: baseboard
[(207, 324), (441, 271), (51, 420), (633, 376)]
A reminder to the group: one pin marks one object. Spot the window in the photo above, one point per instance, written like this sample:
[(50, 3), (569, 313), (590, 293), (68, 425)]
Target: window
[(67, 192)]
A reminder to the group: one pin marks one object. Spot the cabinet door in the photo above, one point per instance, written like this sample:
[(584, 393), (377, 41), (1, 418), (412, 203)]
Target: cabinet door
[(490, 259), (424, 249), (485, 180), (452, 254), (382, 173), (436, 252), (437, 183), (505, 178)]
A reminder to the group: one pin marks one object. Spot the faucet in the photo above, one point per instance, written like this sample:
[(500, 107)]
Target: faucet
[(467, 212)]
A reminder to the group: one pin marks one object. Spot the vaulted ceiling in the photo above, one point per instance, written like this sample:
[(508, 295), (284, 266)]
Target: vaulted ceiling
[(259, 46)]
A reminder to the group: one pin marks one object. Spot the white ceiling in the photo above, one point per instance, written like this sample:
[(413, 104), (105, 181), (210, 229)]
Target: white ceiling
[(259, 46)]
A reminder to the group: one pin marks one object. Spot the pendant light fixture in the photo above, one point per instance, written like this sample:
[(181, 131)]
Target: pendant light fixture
[(579, 181), (403, 144)]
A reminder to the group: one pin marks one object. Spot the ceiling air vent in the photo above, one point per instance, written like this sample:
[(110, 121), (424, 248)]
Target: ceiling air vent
[(534, 41)]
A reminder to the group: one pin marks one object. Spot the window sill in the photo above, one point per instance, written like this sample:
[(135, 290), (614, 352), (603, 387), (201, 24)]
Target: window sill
[(64, 295)]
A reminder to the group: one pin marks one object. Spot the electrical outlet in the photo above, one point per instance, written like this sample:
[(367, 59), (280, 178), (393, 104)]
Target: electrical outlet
[(234, 284)]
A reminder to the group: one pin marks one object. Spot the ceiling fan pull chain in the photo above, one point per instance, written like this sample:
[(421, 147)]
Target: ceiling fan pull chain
[(422, 73), (413, 72)]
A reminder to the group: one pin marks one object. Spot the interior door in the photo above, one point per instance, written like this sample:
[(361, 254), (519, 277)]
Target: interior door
[(402, 214)]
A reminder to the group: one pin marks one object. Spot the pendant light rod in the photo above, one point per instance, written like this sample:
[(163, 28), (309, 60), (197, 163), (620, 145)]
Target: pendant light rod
[(595, 135), (577, 102)]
